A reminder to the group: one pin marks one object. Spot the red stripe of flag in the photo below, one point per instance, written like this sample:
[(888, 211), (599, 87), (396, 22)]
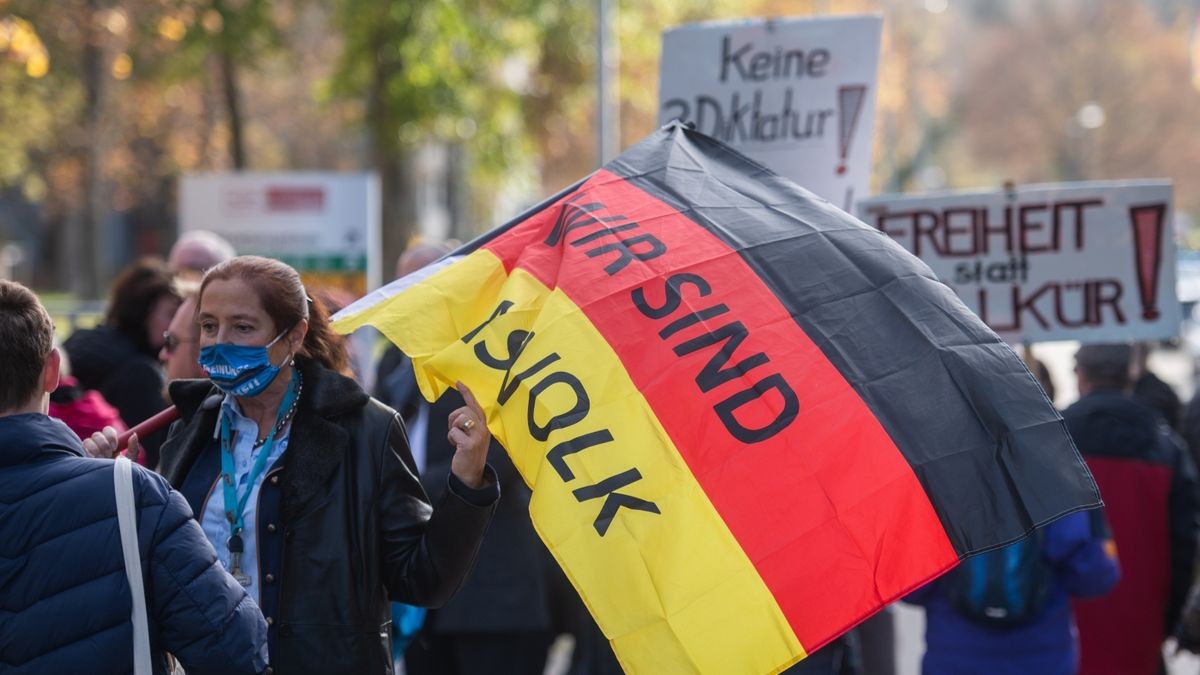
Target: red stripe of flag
[(827, 509)]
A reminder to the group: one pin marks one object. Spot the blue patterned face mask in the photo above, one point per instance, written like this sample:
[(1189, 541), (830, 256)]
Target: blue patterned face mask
[(240, 370)]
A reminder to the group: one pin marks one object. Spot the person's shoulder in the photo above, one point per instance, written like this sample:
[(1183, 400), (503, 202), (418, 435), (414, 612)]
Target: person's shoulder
[(77, 473), (93, 357), (190, 395), (1078, 409), (89, 482), (329, 393), (375, 409), (1113, 404), (372, 417), (85, 336), (1110, 424), (1171, 448), (1074, 525), (99, 340), (150, 485), (143, 367), (1152, 385)]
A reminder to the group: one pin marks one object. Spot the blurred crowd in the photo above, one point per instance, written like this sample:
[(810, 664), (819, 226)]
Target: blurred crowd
[(1094, 592), (506, 614)]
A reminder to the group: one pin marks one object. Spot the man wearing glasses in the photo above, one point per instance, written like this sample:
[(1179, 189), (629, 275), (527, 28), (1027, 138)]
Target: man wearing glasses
[(181, 349)]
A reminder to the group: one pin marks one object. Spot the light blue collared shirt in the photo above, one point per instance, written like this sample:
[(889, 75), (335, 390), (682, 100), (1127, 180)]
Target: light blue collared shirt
[(214, 523)]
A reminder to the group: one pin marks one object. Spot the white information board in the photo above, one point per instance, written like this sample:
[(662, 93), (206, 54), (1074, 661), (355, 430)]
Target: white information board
[(1093, 262), (795, 94), (326, 225)]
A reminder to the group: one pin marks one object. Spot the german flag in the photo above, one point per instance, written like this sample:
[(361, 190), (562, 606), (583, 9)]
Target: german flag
[(749, 420)]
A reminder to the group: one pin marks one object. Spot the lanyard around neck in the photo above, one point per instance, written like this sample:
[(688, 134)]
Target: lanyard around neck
[(235, 504)]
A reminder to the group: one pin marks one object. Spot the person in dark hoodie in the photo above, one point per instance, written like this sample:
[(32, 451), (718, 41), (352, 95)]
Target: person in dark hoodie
[(1149, 486), (119, 358), (65, 603)]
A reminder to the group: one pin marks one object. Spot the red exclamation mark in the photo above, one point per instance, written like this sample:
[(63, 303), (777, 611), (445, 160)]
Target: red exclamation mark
[(850, 102), (1147, 241)]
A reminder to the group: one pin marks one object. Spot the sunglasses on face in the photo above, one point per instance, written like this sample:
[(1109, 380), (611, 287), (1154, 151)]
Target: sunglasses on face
[(171, 342)]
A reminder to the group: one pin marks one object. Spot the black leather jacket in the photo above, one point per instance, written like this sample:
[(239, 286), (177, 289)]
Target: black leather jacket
[(357, 527)]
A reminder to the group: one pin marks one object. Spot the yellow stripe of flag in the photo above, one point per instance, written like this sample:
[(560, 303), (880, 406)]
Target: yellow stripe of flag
[(672, 590)]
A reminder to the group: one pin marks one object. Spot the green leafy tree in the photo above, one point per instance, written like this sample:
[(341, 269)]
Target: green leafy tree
[(478, 75), (218, 40)]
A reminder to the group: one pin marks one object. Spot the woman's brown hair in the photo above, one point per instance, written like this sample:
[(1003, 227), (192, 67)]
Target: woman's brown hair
[(284, 299), (134, 293)]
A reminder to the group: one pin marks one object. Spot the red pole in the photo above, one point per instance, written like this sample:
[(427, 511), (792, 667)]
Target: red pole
[(151, 425)]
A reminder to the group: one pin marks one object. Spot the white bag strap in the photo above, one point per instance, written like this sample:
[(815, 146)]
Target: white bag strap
[(127, 519)]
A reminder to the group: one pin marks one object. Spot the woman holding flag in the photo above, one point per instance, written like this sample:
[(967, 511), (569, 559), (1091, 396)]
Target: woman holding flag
[(306, 486)]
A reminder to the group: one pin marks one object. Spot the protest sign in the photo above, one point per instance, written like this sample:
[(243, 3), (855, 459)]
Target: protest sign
[(1093, 262), (322, 224), (796, 94)]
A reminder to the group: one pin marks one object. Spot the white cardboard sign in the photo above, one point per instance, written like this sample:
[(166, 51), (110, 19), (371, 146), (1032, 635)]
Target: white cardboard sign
[(795, 94), (1093, 262), (318, 222)]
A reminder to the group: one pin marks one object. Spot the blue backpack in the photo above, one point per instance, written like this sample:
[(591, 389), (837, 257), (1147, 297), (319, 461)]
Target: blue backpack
[(1002, 588)]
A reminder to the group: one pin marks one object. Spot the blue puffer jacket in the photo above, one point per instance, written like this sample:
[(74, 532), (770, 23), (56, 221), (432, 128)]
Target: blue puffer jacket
[(64, 598)]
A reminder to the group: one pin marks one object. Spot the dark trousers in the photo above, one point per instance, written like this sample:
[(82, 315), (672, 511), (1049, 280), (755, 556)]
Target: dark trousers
[(478, 654)]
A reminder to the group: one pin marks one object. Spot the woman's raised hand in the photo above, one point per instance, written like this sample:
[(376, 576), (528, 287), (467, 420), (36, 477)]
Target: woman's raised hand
[(470, 437)]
